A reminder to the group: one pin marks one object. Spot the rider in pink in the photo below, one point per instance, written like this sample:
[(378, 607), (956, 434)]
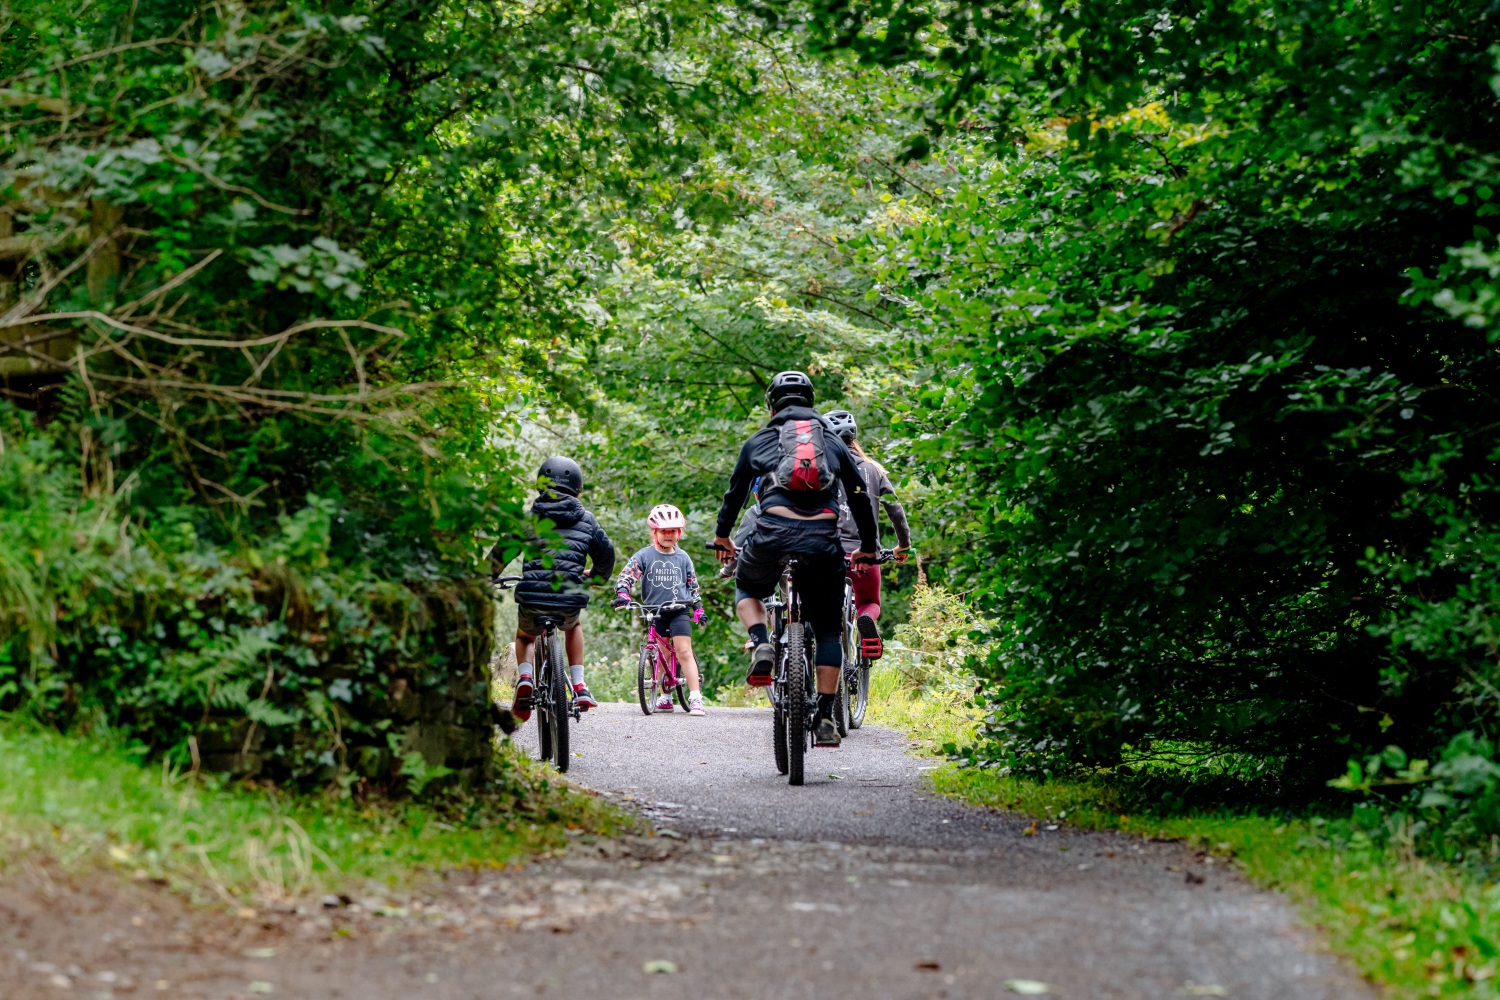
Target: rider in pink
[(878, 485), (666, 576)]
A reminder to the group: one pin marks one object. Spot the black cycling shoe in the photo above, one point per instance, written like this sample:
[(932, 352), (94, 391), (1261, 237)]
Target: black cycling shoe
[(825, 733), (870, 646), (762, 665)]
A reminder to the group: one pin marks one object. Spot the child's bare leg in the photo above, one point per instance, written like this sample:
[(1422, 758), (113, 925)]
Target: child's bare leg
[(573, 643), (525, 644), (683, 644)]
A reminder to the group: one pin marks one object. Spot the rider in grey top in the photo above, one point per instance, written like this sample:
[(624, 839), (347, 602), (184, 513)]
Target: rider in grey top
[(665, 578)]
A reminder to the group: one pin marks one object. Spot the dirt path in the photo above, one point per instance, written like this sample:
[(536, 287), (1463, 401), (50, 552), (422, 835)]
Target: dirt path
[(860, 885)]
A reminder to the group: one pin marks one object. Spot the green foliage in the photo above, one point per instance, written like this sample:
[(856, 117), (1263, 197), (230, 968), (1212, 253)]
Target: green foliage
[(277, 279), (1208, 311), (275, 660)]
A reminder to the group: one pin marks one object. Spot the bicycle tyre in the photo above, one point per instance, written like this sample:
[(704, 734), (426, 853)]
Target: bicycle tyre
[(861, 699), (682, 688), (841, 704), (542, 704), (851, 655), (645, 678), (561, 689), (795, 703), (778, 738)]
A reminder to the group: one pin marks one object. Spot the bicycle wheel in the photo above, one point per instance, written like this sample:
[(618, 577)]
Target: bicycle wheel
[(778, 738), (795, 702), (848, 682), (841, 704), (542, 701), (682, 688), (645, 678), (561, 690), (859, 696)]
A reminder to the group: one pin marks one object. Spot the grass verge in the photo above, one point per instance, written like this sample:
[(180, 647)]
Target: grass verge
[(81, 799), (1417, 928)]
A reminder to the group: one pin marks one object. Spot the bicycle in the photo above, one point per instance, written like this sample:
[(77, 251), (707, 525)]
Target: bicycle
[(854, 685), (656, 670), (552, 698), (793, 690)]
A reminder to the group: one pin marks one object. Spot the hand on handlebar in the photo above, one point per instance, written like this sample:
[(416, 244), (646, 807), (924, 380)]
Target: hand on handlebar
[(622, 600), (903, 553), (725, 549), (863, 558), (699, 616)]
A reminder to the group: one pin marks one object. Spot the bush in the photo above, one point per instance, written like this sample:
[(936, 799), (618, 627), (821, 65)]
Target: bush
[(275, 660)]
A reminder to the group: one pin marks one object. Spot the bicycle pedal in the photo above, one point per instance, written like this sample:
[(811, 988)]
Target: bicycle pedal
[(871, 648)]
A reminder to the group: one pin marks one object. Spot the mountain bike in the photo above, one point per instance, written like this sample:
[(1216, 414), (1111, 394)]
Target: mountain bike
[(657, 670), (854, 685), (552, 696)]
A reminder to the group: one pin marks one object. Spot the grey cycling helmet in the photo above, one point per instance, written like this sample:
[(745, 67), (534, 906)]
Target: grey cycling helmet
[(561, 474), (790, 388), (842, 423)]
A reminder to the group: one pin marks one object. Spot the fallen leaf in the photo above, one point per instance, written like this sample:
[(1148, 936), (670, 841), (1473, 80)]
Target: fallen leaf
[(929, 967), (1030, 831), (836, 777), (659, 966), (259, 953), (1192, 989), (261, 987), (1027, 987), (1193, 878)]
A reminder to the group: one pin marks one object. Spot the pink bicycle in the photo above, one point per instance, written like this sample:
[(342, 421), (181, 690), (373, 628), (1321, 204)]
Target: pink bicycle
[(656, 671)]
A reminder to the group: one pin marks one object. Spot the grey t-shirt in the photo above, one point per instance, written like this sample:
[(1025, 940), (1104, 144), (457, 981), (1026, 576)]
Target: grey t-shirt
[(665, 577), (878, 486)]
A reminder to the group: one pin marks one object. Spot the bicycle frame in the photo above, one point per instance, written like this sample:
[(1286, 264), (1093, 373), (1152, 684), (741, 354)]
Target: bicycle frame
[(666, 674)]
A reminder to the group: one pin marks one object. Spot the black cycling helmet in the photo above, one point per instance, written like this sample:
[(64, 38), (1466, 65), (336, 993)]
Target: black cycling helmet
[(789, 388), (560, 474), (842, 423)]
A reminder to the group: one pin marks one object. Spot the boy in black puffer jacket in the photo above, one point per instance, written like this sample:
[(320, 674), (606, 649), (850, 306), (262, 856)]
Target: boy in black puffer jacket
[(558, 589)]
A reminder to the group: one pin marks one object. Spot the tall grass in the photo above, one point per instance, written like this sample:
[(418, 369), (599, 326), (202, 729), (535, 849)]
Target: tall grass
[(85, 799)]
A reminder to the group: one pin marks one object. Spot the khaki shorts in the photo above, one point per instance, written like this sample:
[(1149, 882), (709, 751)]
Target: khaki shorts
[(526, 617)]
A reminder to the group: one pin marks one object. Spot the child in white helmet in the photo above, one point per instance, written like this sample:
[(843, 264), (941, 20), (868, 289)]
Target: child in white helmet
[(666, 576)]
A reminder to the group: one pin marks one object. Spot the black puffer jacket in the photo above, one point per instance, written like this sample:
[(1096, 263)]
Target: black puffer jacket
[(561, 586)]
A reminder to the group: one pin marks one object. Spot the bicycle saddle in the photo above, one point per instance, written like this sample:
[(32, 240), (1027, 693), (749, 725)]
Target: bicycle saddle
[(545, 622)]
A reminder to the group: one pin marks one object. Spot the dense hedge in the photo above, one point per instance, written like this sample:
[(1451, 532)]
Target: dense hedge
[(278, 660), (1210, 310)]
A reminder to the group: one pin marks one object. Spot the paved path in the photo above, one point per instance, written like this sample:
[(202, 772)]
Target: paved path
[(861, 886)]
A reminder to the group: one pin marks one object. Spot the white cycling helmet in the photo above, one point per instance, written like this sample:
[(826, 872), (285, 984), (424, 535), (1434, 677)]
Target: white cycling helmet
[(664, 515)]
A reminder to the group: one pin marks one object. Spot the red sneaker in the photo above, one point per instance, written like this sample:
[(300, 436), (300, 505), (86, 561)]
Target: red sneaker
[(585, 698), (520, 706)]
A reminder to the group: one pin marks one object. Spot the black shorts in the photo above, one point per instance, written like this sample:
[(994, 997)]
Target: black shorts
[(820, 567), (676, 623)]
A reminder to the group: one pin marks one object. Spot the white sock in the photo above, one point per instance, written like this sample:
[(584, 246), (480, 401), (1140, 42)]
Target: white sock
[(524, 670), (576, 671)]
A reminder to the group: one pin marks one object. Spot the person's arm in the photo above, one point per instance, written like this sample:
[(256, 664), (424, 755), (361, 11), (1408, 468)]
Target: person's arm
[(697, 595), (734, 497), (602, 552), (860, 507), (629, 576), (897, 514), (894, 511)]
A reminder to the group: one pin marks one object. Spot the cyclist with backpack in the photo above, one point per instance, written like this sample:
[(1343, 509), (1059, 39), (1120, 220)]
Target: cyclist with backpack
[(553, 578), (799, 461), (878, 485), (666, 576)]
